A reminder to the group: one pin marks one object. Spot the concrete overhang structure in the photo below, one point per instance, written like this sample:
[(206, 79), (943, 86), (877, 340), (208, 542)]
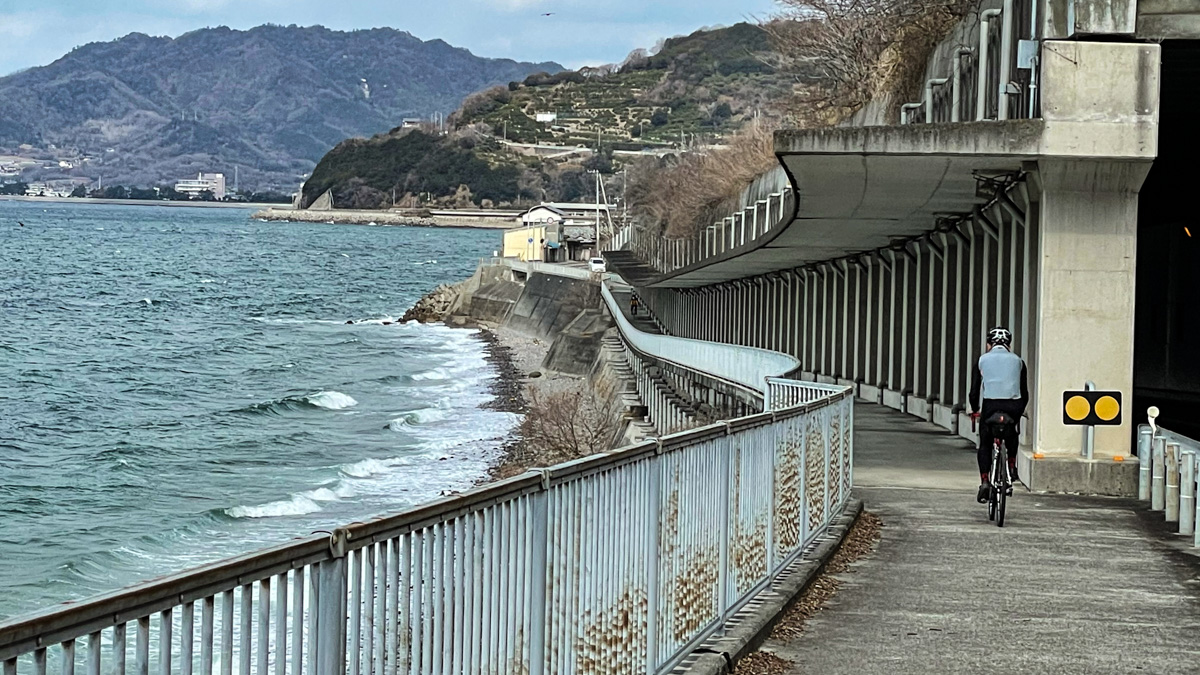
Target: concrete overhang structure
[(861, 188)]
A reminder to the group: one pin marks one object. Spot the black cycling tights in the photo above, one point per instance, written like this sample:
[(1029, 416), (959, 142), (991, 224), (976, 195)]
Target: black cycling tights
[(985, 433)]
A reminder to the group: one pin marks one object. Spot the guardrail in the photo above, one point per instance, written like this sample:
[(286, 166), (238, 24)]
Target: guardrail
[(783, 393), (620, 562), (768, 205), (747, 367), (539, 267), (1168, 467)]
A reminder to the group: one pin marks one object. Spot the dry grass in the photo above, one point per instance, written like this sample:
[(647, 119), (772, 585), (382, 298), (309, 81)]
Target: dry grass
[(677, 197), (853, 51)]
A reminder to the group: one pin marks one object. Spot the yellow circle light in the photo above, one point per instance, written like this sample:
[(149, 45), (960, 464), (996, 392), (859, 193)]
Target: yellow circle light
[(1078, 408), (1107, 408)]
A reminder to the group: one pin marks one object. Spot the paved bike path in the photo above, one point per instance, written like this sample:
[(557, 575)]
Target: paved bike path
[(1069, 585)]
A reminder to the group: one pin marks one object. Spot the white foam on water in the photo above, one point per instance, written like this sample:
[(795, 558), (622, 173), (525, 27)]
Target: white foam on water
[(435, 374), (367, 468), (299, 504), (331, 400)]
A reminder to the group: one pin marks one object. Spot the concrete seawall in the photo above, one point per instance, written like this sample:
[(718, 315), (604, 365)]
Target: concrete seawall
[(383, 218)]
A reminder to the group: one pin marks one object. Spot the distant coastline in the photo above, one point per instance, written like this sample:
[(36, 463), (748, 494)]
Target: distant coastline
[(144, 202), (471, 219)]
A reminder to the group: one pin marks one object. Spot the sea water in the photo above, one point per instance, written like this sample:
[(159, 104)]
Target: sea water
[(178, 385)]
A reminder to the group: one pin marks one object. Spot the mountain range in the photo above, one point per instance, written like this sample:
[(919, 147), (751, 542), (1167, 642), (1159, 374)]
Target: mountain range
[(271, 100)]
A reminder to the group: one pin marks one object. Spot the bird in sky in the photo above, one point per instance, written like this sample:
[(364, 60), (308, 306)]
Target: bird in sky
[(548, 14)]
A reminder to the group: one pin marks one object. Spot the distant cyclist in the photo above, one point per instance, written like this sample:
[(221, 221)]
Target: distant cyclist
[(1000, 378)]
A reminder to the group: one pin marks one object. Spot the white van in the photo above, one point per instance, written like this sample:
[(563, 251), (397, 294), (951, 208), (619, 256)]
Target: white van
[(597, 265)]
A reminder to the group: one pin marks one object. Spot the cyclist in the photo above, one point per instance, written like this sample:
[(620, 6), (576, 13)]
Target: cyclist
[(1000, 380)]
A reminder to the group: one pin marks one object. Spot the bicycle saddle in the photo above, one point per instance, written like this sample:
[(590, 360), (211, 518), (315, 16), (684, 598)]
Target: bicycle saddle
[(1000, 419)]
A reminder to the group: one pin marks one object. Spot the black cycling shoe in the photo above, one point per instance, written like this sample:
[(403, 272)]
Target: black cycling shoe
[(982, 497)]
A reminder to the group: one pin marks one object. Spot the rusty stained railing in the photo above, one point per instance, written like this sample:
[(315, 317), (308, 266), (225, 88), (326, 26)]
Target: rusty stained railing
[(618, 563)]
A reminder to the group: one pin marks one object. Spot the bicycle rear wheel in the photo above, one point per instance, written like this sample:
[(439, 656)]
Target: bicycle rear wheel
[(991, 503), (1002, 502)]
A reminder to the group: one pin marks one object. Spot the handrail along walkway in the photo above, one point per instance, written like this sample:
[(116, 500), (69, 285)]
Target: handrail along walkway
[(620, 562)]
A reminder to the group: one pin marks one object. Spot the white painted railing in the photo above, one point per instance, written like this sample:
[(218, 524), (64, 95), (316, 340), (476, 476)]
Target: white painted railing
[(1168, 468), (748, 367), (784, 393), (766, 205)]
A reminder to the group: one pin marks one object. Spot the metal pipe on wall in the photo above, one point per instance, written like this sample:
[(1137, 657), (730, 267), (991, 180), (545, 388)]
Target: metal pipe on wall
[(981, 76)]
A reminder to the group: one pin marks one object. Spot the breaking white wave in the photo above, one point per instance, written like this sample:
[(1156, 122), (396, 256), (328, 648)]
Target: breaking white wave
[(331, 400), (299, 504)]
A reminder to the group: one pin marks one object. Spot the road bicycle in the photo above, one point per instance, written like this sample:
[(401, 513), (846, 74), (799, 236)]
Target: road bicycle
[(1000, 483)]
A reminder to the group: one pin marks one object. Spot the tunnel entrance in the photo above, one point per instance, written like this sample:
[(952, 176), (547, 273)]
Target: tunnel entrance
[(1167, 314)]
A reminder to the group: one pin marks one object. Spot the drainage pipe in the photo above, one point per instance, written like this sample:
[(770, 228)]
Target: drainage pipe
[(1006, 58), (982, 74), (956, 86), (929, 85), (904, 111)]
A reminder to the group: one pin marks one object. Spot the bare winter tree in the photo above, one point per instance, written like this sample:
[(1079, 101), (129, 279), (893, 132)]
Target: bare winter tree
[(565, 425), (846, 52)]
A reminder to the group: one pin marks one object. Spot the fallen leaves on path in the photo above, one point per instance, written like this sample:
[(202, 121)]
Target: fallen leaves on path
[(859, 542)]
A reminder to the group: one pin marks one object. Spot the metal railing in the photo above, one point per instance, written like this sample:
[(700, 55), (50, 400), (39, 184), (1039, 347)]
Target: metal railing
[(1168, 467), (576, 271), (747, 367), (784, 393), (621, 562), (767, 205)]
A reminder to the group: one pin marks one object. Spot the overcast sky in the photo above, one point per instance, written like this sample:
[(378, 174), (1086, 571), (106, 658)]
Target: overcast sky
[(580, 32)]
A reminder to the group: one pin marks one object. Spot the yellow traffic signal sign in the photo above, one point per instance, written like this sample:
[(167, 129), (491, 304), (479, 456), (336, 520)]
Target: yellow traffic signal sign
[(1092, 408)]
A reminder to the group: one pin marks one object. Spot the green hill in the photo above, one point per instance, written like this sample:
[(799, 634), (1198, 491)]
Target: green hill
[(706, 84), (697, 89)]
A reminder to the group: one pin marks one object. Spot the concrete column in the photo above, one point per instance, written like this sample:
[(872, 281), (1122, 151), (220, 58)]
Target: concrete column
[(806, 323), (843, 367), (892, 378), (868, 372), (798, 316), (824, 338), (1085, 295), (881, 304), (855, 372)]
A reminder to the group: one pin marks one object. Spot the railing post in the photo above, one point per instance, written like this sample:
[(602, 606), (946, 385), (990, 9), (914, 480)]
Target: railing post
[(652, 548), (1172, 498), (1187, 492), (1158, 485), (538, 654), (1144, 439), (331, 609)]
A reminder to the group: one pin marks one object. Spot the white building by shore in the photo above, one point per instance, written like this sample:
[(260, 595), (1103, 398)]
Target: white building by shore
[(213, 182)]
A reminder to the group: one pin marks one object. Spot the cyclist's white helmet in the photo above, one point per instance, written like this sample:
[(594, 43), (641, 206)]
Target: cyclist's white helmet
[(1000, 337)]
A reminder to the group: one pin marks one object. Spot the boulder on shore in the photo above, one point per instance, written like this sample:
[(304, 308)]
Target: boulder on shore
[(435, 306)]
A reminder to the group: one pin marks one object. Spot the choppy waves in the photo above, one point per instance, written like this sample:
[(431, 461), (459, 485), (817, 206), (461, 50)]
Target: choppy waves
[(326, 400), (299, 504)]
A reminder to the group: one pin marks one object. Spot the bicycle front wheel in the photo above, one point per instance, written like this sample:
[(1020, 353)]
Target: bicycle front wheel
[(992, 503)]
